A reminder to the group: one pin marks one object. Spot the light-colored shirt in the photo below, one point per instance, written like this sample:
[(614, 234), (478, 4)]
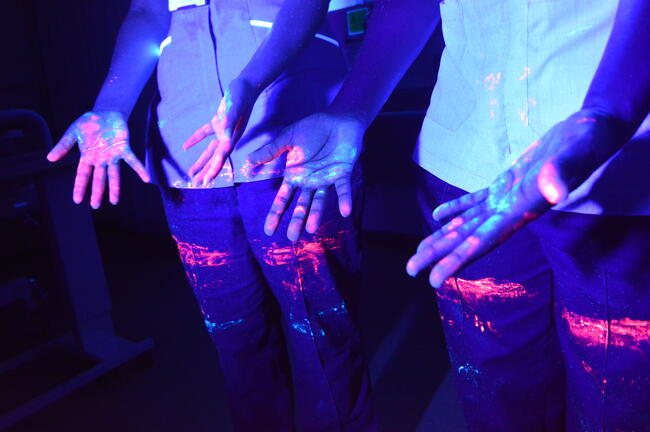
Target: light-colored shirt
[(207, 47), (511, 70)]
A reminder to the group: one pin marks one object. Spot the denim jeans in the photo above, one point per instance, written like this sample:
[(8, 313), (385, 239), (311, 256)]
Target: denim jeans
[(551, 330), (279, 312)]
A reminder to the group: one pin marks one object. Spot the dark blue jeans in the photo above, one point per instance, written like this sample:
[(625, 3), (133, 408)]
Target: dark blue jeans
[(279, 312), (551, 330)]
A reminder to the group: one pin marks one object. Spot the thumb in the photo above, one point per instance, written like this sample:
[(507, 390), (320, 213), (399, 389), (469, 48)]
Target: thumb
[(62, 147), (550, 183), (270, 151)]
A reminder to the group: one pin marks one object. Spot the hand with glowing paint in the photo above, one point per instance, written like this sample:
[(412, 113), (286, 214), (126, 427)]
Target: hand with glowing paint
[(227, 126), (103, 139), (541, 177), (322, 150)]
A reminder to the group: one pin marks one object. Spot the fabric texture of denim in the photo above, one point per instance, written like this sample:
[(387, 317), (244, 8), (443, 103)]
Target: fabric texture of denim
[(279, 312), (551, 330)]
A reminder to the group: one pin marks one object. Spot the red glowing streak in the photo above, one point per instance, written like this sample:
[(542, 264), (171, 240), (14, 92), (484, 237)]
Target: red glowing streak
[(625, 332), (311, 252), (484, 290), (293, 287), (296, 156), (200, 256)]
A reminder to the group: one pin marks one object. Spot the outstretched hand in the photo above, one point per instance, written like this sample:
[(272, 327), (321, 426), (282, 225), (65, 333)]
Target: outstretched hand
[(322, 150), (227, 126), (103, 139), (541, 177)]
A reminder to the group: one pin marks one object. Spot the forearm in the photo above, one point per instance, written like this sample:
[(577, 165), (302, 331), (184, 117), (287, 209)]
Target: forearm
[(397, 32), (135, 56), (294, 27), (621, 86)]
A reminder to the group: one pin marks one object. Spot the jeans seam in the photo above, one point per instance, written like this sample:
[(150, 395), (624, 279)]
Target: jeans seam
[(311, 332), (603, 272), (463, 309)]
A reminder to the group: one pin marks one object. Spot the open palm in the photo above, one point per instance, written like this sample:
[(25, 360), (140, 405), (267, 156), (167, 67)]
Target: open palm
[(321, 151)]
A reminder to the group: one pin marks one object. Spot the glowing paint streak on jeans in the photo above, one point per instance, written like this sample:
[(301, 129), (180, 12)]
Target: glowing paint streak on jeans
[(625, 332), (484, 290), (337, 310), (305, 251), (304, 327), (201, 256), (212, 326)]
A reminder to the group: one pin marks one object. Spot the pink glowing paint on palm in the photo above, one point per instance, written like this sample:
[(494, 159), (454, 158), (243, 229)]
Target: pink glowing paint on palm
[(103, 140), (193, 254), (594, 332), (295, 156), (322, 150)]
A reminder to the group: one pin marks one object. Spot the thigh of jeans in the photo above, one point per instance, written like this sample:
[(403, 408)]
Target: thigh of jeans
[(215, 253), (315, 280), (497, 317), (238, 308), (602, 291)]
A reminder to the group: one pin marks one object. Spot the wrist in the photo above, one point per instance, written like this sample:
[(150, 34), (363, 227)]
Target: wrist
[(362, 119), (618, 126), (112, 108), (250, 85)]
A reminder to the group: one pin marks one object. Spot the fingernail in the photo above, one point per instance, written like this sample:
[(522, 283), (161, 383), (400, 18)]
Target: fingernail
[(434, 281), (410, 270)]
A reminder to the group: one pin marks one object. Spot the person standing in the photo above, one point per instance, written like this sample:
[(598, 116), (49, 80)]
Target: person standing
[(231, 75), (550, 331)]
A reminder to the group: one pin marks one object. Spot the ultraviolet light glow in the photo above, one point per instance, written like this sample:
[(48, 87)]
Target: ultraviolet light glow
[(486, 290), (163, 44), (623, 332), (268, 25), (196, 255)]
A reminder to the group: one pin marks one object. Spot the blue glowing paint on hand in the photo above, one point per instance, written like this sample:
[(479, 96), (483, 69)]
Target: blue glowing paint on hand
[(541, 177), (103, 140), (321, 151), (227, 126)]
